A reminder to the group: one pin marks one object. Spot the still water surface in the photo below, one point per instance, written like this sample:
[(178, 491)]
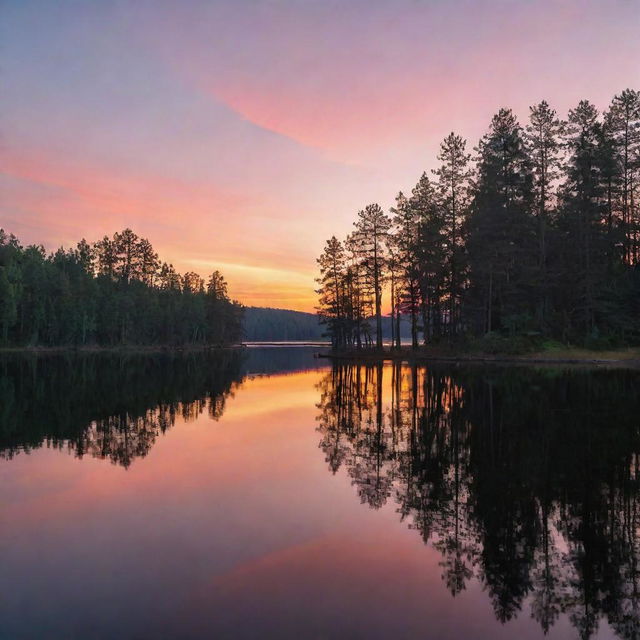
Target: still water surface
[(266, 494)]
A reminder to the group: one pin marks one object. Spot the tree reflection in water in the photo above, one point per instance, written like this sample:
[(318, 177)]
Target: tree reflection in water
[(108, 406), (526, 480), (115, 405)]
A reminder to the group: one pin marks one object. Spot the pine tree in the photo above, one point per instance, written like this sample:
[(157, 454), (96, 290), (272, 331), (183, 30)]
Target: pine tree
[(453, 176), (148, 262), (128, 255), (623, 123), (358, 294), (217, 286), (395, 270), (433, 256), (106, 256), (580, 223), (543, 139), (332, 271), (406, 236), (372, 228), (501, 230), (8, 307)]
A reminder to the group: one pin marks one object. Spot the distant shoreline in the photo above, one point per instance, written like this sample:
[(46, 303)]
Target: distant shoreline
[(132, 349), (286, 343)]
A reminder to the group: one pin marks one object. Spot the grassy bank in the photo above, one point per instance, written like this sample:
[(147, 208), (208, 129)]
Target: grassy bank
[(550, 354)]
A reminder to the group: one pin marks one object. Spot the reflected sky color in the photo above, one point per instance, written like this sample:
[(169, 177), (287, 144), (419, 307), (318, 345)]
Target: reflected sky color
[(264, 492), (224, 527), (239, 135)]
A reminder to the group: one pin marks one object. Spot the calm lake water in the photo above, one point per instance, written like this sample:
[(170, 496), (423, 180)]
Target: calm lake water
[(265, 494)]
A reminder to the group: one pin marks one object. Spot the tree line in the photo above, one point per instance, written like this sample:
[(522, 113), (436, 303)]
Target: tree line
[(262, 324), (537, 233), (113, 292)]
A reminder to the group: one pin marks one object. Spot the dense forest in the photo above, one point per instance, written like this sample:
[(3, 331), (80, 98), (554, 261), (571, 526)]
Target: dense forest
[(113, 292), (535, 235)]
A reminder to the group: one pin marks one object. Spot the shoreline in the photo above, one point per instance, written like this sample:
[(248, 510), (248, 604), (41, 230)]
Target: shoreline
[(627, 358), (621, 358), (128, 349)]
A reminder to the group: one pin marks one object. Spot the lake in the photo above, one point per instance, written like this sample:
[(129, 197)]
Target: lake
[(263, 493)]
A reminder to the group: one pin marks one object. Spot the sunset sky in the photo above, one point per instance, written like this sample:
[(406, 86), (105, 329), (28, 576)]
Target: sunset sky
[(240, 135)]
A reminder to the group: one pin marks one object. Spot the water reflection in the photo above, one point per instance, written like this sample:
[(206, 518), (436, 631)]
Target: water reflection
[(114, 406), (109, 406), (525, 480)]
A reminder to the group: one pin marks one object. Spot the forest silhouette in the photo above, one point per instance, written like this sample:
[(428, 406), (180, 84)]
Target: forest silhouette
[(534, 235), (113, 292)]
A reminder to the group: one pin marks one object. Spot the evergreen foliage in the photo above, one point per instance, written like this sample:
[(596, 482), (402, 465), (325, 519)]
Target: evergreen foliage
[(114, 292), (539, 236)]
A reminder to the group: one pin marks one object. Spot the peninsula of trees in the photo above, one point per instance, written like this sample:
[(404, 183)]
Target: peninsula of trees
[(113, 292), (537, 234)]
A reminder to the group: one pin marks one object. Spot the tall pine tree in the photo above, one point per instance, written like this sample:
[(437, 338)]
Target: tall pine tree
[(501, 229)]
